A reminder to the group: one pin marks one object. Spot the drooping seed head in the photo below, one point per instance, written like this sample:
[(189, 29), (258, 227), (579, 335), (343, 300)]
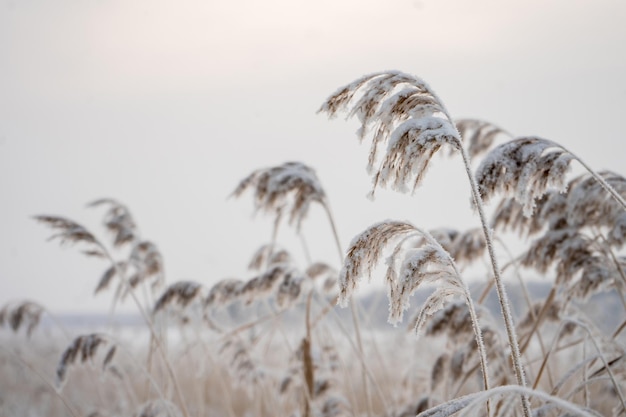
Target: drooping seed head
[(405, 116), (118, 220), (524, 168), (479, 135), (181, 293), (82, 349), (24, 314), (291, 186), (70, 232)]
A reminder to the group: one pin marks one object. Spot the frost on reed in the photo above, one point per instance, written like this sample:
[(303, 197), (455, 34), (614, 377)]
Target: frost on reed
[(464, 247), (577, 231), (144, 262), (181, 293), (416, 259), (268, 255), (327, 274), (524, 168), (118, 220), (326, 399), (83, 349), (290, 187), (403, 113), (244, 369), (282, 282), (24, 314), (406, 115), (479, 135), (70, 232)]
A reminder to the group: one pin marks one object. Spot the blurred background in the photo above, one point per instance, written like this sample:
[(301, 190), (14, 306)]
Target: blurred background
[(166, 106)]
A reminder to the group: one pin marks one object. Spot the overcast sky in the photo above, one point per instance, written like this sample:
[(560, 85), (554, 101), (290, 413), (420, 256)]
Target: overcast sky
[(165, 105)]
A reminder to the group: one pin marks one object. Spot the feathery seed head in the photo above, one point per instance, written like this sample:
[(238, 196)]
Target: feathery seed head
[(224, 292), (479, 135), (416, 259), (82, 349), (524, 168), (70, 232), (118, 220), (291, 186), (181, 293), (25, 314), (403, 112)]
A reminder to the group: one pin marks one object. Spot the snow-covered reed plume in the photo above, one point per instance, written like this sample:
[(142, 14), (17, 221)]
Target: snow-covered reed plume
[(246, 371), (464, 247), (479, 135), (224, 292), (70, 232), (416, 259), (180, 293), (524, 168), (576, 230), (407, 116), (527, 167), (290, 187), (23, 314), (118, 220), (84, 349), (144, 258)]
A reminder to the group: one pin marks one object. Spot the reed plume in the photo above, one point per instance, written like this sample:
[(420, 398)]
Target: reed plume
[(410, 118), (82, 349), (181, 293), (404, 114), (291, 186), (479, 135), (527, 167), (464, 247), (70, 232), (409, 267), (118, 220), (224, 292), (24, 314), (524, 168), (568, 224)]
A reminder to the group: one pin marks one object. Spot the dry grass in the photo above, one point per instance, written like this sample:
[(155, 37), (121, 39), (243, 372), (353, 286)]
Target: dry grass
[(275, 343)]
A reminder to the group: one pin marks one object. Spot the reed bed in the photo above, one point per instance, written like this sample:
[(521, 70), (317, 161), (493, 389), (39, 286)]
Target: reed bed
[(279, 341)]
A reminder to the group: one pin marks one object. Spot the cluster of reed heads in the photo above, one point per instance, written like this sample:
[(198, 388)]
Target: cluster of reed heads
[(277, 344)]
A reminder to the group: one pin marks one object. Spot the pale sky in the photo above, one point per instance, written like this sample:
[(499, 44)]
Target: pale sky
[(166, 105)]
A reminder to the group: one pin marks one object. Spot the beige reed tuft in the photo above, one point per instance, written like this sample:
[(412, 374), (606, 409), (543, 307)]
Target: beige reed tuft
[(83, 349), (479, 135), (118, 220), (291, 186), (406, 116), (23, 314)]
